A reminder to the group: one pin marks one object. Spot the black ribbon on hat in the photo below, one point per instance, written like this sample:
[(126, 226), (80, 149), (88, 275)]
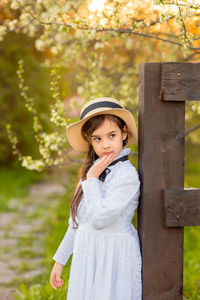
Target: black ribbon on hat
[(100, 104), (107, 170)]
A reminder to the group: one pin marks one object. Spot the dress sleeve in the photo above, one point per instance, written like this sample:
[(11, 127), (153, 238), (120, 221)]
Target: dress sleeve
[(123, 189), (65, 248)]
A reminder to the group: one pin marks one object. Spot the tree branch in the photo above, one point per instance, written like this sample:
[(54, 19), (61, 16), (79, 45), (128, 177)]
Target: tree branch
[(122, 30), (119, 30)]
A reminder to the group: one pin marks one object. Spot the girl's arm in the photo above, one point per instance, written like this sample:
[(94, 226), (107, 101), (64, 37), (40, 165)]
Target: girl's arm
[(65, 248), (124, 189)]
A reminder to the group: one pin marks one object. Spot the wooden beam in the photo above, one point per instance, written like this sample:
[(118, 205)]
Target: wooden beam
[(180, 81), (182, 207), (160, 166)]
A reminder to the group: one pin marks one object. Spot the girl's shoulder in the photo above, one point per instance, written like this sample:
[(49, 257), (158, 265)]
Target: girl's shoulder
[(124, 165), (124, 170)]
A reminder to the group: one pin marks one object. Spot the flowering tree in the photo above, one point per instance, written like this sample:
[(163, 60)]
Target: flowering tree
[(104, 41)]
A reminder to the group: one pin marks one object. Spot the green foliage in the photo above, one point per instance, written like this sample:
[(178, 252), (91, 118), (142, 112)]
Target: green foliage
[(51, 145), (191, 268), (14, 183), (13, 109), (39, 292), (192, 171)]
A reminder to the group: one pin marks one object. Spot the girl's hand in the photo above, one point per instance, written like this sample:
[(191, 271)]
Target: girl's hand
[(96, 169), (55, 277)]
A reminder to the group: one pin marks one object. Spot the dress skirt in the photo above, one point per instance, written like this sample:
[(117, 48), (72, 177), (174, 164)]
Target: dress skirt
[(105, 265)]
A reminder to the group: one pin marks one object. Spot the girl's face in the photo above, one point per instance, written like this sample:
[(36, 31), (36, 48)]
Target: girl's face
[(108, 138)]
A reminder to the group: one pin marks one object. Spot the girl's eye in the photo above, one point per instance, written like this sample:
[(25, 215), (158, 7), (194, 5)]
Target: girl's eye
[(96, 139)]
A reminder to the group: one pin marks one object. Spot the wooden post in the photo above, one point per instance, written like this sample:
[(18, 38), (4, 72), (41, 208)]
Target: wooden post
[(180, 81), (182, 207), (160, 166)]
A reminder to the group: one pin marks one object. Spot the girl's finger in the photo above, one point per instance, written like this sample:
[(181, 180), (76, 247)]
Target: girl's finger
[(104, 162), (59, 281), (103, 166), (107, 159), (53, 284)]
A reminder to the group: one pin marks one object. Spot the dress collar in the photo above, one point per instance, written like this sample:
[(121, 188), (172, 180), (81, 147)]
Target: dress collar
[(124, 151)]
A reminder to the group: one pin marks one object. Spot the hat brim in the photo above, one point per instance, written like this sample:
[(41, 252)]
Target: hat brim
[(74, 130)]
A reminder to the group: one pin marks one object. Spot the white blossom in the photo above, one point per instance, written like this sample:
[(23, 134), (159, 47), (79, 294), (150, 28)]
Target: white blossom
[(12, 24), (3, 31), (14, 5), (31, 164), (40, 45), (54, 50)]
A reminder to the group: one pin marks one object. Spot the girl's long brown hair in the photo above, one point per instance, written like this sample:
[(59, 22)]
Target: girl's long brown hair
[(87, 130)]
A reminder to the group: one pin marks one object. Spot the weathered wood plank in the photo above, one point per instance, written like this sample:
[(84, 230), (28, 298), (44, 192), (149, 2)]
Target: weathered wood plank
[(180, 81), (160, 166), (182, 207)]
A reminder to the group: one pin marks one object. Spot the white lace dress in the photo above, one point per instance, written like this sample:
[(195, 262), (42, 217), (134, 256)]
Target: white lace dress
[(106, 262)]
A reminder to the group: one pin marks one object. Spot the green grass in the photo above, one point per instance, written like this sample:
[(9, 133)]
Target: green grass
[(191, 274), (23, 267), (28, 253), (191, 280), (26, 240), (14, 183), (39, 292), (192, 175)]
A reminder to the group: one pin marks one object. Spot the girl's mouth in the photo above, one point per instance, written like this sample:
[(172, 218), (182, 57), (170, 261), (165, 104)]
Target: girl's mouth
[(107, 153)]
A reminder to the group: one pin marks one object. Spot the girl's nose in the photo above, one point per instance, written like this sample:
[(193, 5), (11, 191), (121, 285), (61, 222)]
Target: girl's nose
[(105, 144)]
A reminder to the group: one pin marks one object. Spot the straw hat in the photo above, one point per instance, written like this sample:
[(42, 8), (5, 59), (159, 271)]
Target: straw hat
[(99, 106)]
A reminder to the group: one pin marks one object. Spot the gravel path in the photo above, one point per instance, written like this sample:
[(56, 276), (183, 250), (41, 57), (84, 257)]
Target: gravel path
[(21, 236)]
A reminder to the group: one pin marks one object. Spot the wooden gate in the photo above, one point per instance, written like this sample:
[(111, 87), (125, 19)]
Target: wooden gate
[(165, 206)]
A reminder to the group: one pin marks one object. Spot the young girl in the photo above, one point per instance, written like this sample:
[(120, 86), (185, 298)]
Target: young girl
[(106, 262)]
